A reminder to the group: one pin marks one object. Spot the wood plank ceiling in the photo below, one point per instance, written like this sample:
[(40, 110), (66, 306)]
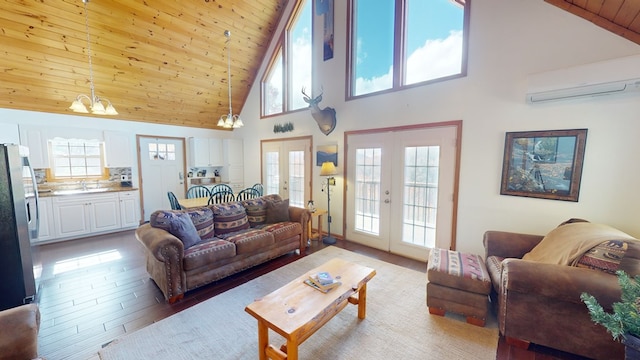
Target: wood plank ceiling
[(164, 61), (160, 61), (621, 17)]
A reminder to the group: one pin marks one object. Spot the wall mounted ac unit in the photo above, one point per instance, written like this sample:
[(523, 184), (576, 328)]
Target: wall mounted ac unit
[(609, 77)]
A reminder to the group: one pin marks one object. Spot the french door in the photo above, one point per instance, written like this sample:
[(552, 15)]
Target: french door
[(286, 169), (400, 194), (161, 170)]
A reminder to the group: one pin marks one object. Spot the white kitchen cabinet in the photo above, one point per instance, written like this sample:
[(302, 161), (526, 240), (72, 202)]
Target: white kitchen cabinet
[(205, 152), (9, 133), (129, 209), (35, 138), (46, 230), (233, 170), (117, 147), (78, 215)]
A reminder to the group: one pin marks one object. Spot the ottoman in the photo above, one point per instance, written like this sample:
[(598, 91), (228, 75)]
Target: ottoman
[(458, 283)]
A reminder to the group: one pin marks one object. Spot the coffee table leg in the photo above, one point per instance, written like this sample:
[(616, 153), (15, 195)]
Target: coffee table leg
[(362, 302), (292, 349), (263, 339)]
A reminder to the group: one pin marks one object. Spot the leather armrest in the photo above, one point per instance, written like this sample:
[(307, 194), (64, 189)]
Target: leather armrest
[(160, 243), (508, 244), (19, 332), (565, 283)]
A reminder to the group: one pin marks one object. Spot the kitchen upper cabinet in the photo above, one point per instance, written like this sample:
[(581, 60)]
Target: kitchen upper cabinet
[(35, 138), (205, 152), (129, 209), (9, 134), (117, 147)]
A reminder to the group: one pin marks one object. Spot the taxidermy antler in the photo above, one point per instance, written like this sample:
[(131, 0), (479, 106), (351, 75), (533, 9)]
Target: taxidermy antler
[(326, 118)]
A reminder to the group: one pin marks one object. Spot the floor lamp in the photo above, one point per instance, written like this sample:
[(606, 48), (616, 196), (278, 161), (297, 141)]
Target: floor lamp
[(328, 169)]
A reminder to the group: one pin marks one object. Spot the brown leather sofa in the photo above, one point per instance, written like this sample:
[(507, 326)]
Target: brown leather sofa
[(19, 332), (540, 303)]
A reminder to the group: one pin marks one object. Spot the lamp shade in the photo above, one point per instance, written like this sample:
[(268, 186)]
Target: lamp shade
[(328, 169)]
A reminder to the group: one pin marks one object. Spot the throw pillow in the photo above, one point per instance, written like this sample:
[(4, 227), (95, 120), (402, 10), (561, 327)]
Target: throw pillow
[(256, 211), (565, 244), (229, 217), (277, 211), (605, 256), (182, 227)]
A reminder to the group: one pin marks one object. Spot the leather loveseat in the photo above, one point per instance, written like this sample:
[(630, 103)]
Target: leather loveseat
[(538, 302), (186, 249)]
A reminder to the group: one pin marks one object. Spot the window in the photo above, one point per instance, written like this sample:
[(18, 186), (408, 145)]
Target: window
[(290, 68), (77, 158), (162, 151), (399, 43)]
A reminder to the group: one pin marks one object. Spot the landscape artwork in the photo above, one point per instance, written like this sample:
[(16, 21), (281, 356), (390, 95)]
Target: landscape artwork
[(326, 153), (543, 164)]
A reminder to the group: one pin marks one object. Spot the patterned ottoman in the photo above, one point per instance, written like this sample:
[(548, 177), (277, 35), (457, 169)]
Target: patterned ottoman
[(459, 283)]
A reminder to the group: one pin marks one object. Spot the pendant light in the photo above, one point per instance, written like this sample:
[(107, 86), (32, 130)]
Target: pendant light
[(229, 120), (96, 104)]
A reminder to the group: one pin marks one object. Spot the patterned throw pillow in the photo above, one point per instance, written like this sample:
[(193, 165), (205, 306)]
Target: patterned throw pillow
[(202, 219), (256, 211), (605, 256), (229, 217)]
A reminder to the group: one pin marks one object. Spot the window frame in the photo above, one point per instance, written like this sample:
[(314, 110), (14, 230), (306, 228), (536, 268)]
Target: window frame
[(51, 172), (399, 62), (283, 48)]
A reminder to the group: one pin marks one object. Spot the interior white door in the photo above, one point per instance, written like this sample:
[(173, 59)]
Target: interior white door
[(162, 168), (400, 193), (286, 169)]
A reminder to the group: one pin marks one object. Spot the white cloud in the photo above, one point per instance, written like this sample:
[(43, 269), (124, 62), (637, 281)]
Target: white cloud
[(436, 58)]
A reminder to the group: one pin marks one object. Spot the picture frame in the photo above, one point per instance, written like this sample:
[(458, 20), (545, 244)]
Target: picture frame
[(327, 153), (543, 164), (325, 7)]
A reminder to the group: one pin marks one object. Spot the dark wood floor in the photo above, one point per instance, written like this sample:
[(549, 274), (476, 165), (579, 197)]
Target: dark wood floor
[(95, 289)]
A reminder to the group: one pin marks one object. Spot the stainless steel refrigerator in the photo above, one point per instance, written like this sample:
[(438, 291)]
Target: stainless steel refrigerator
[(18, 224)]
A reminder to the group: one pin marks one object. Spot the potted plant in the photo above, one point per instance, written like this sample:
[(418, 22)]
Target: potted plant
[(624, 322)]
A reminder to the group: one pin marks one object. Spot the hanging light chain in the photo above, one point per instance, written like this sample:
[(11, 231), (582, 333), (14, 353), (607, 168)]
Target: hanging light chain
[(86, 25)]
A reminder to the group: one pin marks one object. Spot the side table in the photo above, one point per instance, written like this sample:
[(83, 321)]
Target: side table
[(318, 215)]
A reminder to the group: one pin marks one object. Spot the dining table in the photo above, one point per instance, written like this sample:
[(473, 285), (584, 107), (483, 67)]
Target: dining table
[(193, 202)]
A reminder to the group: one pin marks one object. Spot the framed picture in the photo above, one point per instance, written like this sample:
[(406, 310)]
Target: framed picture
[(543, 164), (327, 153), (325, 7)]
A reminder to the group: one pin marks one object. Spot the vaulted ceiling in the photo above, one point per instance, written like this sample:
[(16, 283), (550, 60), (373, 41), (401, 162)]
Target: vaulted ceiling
[(165, 61), (158, 61)]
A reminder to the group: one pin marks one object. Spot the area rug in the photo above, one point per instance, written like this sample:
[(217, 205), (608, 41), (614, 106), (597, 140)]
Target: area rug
[(397, 326)]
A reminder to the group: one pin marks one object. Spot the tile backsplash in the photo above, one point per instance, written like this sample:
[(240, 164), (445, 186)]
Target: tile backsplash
[(115, 174)]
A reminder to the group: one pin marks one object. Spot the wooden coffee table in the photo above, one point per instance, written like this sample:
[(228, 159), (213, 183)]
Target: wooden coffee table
[(296, 310)]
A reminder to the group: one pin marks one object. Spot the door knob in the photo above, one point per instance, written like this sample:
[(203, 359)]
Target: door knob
[(386, 201)]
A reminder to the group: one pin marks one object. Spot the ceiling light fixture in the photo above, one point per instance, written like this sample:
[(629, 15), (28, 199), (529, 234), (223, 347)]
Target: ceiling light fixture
[(229, 120), (95, 103)]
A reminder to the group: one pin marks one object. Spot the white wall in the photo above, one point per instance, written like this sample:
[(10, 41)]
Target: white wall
[(508, 41)]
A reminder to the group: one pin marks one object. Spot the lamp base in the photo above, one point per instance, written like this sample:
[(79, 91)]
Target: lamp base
[(328, 240)]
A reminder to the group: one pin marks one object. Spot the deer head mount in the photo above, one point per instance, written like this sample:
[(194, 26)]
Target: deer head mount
[(326, 118)]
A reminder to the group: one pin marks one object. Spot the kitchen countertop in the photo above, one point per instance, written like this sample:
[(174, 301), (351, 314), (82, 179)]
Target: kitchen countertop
[(89, 191)]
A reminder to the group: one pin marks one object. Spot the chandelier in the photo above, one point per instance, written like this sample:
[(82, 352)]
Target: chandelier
[(95, 103), (229, 120)]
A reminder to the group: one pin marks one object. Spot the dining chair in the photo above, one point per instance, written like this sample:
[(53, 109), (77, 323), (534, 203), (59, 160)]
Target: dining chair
[(221, 197), (221, 187), (173, 200), (260, 188), (198, 191), (248, 193)]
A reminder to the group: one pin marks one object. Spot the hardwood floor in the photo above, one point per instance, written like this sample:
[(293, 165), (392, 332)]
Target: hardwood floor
[(96, 289)]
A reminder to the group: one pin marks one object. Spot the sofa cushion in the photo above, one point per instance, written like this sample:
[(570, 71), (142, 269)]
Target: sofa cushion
[(182, 227), (605, 256), (249, 240), (565, 244), (277, 211), (202, 219), (229, 217), (494, 268), (256, 211), (283, 230), (207, 252)]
